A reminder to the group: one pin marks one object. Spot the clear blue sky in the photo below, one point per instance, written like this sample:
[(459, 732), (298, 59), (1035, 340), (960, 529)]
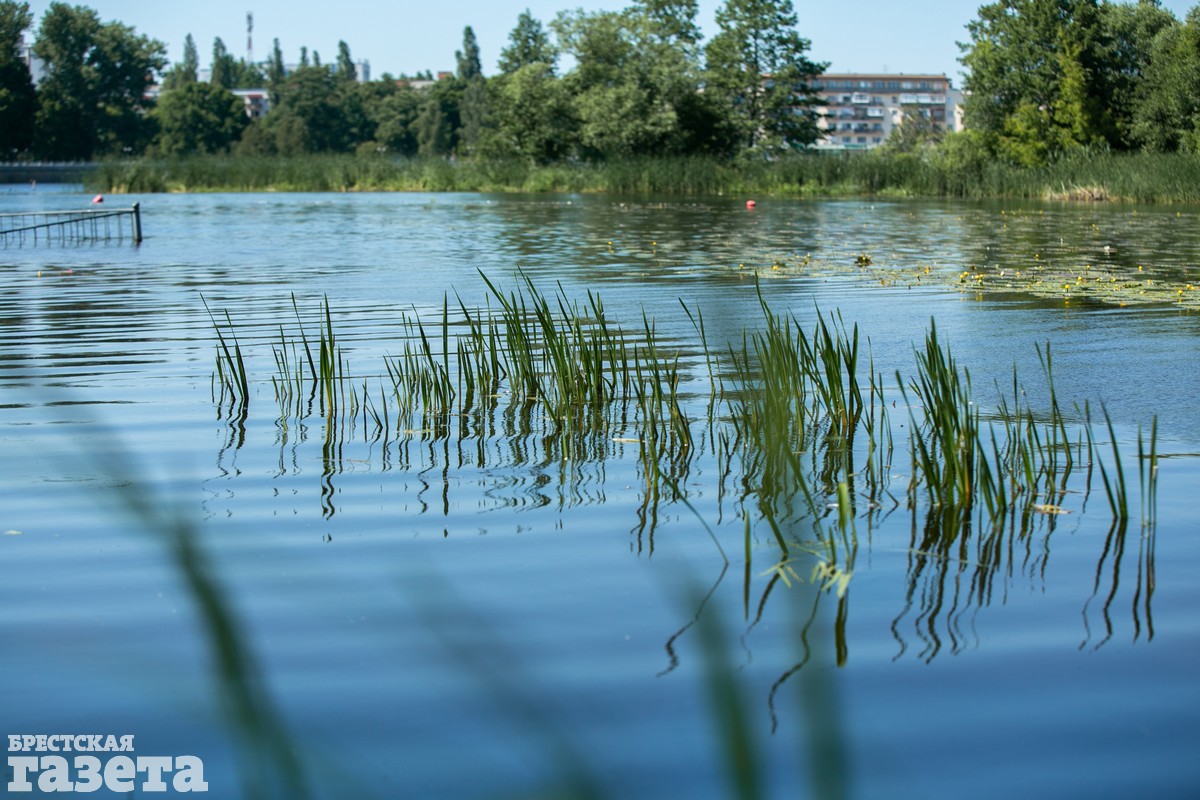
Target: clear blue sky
[(414, 35)]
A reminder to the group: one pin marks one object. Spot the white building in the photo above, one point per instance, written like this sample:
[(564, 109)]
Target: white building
[(37, 68), (859, 110)]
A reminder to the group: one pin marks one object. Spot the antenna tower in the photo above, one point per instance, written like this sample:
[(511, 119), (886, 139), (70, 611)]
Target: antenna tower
[(249, 37)]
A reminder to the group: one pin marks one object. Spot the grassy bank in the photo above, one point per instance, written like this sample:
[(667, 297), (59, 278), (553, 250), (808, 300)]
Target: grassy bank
[(1142, 177)]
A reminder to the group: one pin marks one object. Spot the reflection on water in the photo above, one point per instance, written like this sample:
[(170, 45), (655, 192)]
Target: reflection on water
[(780, 450), (392, 553), (1108, 581), (951, 577)]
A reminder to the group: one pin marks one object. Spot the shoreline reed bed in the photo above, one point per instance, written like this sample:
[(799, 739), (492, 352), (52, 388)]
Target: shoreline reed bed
[(953, 172)]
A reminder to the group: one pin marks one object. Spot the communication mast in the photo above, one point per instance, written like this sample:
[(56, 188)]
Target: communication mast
[(249, 37)]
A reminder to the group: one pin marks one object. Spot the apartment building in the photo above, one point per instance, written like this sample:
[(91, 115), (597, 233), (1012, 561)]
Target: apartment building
[(859, 110), (37, 68)]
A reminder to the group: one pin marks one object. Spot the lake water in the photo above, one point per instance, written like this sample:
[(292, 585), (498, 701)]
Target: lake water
[(481, 613)]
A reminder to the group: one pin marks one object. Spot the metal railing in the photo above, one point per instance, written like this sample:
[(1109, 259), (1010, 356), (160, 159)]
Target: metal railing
[(70, 227)]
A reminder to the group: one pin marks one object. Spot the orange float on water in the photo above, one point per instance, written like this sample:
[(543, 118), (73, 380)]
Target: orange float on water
[(98, 198), (751, 204)]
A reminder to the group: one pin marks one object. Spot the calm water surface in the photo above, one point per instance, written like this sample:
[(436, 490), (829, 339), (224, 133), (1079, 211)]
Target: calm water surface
[(478, 616)]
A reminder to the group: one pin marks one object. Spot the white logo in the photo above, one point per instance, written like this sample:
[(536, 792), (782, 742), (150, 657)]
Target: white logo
[(58, 767)]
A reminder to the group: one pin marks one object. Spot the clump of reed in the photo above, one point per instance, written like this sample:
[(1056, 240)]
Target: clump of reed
[(546, 351), (230, 382), (946, 444), (798, 405), (1016, 462)]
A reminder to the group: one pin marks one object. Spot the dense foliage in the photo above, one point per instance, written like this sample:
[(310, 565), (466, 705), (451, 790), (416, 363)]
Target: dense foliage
[(18, 102), (1046, 80), (1049, 77), (640, 85), (90, 102)]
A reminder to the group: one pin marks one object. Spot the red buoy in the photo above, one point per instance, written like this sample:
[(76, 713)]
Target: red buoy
[(750, 204), (98, 198)]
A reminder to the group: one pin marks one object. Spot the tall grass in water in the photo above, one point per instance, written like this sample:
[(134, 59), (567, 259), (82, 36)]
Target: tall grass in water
[(798, 406), (798, 401), (545, 351), (798, 410), (1148, 475), (946, 443), (230, 373)]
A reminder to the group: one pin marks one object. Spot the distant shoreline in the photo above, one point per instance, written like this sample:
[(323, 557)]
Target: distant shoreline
[(1083, 177), (70, 172)]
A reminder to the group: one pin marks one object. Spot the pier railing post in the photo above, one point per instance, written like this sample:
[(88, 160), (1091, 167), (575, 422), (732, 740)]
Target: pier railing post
[(137, 223)]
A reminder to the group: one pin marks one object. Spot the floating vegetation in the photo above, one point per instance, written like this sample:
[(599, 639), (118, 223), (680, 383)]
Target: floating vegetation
[(1012, 252), (1098, 283)]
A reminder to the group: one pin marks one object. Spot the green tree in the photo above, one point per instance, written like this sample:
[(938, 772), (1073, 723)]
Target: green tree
[(758, 73), (1166, 115), (91, 101), (234, 73), (671, 30), (469, 67), (18, 100), (473, 101), (346, 70), (198, 118), (185, 71), (276, 74), (528, 43), (530, 112), (395, 117), (672, 21), (1131, 28), (628, 83), (1038, 78), (310, 116), (438, 122), (247, 76), (223, 65), (363, 108), (532, 115)]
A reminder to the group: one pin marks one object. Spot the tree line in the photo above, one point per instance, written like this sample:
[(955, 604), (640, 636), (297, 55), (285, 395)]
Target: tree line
[(642, 83), (1048, 78), (1045, 78)]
